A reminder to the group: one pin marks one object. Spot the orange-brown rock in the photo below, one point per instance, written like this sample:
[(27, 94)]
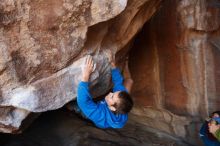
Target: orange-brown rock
[(174, 59), (43, 45), (175, 64)]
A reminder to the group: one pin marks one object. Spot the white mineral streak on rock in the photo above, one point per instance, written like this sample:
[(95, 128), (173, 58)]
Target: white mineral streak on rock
[(61, 89)]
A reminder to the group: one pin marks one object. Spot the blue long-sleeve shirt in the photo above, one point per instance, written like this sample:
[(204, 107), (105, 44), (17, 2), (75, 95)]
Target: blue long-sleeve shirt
[(99, 112)]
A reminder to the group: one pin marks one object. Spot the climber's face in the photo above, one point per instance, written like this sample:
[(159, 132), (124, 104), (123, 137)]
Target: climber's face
[(112, 99)]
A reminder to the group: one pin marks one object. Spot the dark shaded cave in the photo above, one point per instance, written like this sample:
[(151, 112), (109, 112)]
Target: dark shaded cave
[(156, 62), (63, 128)]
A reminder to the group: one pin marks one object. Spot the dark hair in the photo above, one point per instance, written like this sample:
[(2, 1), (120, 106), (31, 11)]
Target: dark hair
[(125, 103), (216, 112)]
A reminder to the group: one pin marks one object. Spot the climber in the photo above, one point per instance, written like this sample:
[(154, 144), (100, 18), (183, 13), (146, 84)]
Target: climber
[(112, 111), (210, 132)]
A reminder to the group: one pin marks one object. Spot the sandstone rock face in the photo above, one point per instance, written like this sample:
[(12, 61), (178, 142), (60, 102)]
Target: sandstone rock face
[(174, 60), (43, 45), (178, 56), (161, 119)]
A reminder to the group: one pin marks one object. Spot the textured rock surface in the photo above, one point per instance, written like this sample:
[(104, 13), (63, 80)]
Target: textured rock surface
[(43, 45), (162, 120), (174, 60), (58, 128), (178, 53)]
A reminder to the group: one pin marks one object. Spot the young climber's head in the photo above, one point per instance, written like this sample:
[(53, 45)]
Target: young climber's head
[(119, 102)]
